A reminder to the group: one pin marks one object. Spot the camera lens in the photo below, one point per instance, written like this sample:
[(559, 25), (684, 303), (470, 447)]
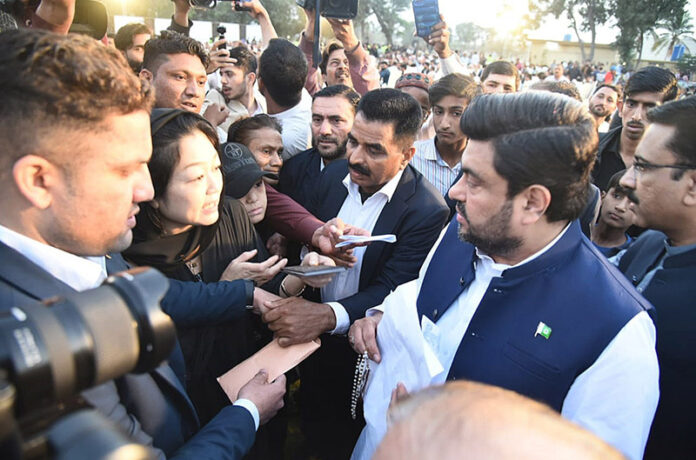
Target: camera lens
[(52, 350)]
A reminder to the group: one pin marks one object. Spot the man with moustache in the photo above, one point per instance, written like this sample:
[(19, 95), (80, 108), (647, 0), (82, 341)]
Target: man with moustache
[(439, 159), (647, 88), (130, 41), (661, 263), (333, 112), (513, 295), (343, 62), (602, 103), (376, 189), (174, 65)]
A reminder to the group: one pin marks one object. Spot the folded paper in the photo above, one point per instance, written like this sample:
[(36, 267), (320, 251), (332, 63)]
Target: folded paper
[(276, 360), (347, 240)]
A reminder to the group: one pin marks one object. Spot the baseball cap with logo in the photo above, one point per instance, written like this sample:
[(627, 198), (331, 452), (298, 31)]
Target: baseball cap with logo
[(240, 169)]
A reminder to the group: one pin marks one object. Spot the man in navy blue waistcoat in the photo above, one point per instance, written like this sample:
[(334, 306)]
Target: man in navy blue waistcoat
[(513, 294)]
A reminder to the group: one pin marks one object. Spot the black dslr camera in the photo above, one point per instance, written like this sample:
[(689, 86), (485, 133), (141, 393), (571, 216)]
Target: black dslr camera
[(339, 9), (238, 4), (51, 351)]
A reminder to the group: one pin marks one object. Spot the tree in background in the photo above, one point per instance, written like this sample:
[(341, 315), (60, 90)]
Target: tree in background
[(672, 30), (387, 13), (583, 15), (469, 35), (687, 64), (637, 18)]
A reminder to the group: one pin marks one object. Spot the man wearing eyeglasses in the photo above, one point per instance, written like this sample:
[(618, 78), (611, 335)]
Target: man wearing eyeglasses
[(662, 266), (647, 88)]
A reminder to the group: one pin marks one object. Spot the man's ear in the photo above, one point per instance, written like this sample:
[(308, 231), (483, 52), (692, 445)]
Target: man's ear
[(536, 200), (250, 79), (146, 75), (690, 196), (36, 178), (259, 81), (619, 105), (407, 153)]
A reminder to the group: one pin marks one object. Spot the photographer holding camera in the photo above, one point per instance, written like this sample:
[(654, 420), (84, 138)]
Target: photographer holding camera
[(73, 168), (344, 62)]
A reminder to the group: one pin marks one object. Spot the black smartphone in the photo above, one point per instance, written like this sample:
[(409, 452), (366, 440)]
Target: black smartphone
[(426, 14), (319, 270), (239, 5), (221, 30)]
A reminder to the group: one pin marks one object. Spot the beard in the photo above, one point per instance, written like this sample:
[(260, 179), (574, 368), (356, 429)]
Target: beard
[(599, 111), (134, 65), (330, 155), (492, 237)]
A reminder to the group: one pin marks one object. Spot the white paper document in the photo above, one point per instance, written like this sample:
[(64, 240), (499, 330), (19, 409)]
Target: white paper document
[(355, 239)]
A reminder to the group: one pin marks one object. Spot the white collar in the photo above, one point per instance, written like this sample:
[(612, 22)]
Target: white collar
[(80, 273), (387, 189), (302, 106), (502, 267)]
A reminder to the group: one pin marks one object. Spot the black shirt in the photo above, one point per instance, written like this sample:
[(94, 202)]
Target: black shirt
[(609, 160)]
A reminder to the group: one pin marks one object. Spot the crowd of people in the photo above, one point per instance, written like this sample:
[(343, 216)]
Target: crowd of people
[(545, 237)]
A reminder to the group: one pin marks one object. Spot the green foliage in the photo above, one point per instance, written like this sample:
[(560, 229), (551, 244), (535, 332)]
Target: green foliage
[(687, 64), (671, 30), (387, 13), (583, 15), (637, 18)]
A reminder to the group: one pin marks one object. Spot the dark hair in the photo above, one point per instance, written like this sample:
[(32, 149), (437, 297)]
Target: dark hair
[(124, 37), (58, 82), (561, 87), (454, 84), (241, 130), (330, 48), (165, 146), (616, 89), (389, 105), (501, 68), (614, 183), (283, 70), (652, 79), (346, 92), (168, 42), (538, 138), (681, 115), (245, 59)]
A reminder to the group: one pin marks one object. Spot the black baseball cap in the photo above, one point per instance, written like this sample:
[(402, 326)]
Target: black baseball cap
[(240, 169), (91, 18)]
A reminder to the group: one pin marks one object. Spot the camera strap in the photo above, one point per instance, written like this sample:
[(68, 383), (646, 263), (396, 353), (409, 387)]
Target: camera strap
[(316, 54)]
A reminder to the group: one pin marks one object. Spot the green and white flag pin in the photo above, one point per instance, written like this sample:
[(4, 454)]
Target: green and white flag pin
[(543, 330)]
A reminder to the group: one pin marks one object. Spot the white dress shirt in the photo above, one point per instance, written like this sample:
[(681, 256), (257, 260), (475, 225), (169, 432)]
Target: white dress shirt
[(363, 215), (615, 398), (80, 273)]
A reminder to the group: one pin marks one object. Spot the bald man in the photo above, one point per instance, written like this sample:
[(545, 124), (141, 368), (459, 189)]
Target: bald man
[(465, 419)]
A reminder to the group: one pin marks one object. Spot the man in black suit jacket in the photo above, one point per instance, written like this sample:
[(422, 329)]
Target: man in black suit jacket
[(333, 112), (662, 266), (73, 168), (375, 188)]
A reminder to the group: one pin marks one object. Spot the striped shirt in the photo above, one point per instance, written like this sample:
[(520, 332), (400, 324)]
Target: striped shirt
[(428, 162)]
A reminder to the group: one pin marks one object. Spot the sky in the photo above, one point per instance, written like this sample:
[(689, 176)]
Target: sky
[(499, 13)]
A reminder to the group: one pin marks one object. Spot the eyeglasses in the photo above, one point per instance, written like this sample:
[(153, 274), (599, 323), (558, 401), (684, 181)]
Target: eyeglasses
[(640, 166)]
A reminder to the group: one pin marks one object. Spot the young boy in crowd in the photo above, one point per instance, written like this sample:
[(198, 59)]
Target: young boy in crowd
[(616, 215)]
